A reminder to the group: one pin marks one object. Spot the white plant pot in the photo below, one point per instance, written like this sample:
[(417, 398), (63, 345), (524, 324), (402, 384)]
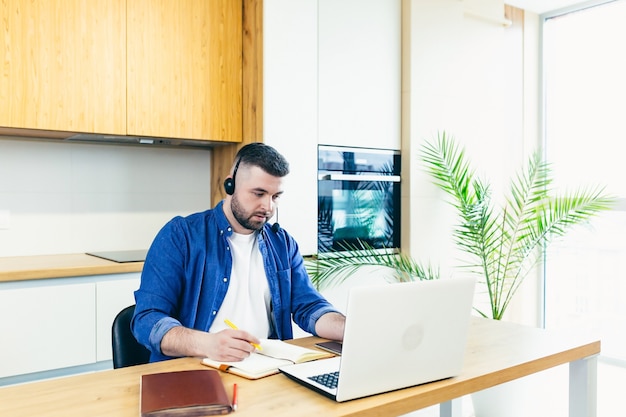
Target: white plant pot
[(504, 400), (542, 394)]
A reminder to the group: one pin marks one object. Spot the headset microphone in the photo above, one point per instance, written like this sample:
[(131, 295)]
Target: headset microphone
[(276, 226)]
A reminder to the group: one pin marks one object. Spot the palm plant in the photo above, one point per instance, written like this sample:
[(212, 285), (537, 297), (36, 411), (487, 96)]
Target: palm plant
[(333, 268), (505, 243)]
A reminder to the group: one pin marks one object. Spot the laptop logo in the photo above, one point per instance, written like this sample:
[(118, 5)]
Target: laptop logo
[(413, 336)]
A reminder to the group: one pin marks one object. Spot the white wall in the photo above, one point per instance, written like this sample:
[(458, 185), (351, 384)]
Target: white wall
[(73, 198)]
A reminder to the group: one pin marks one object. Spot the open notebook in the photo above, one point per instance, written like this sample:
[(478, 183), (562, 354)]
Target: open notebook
[(274, 354), (396, 336)]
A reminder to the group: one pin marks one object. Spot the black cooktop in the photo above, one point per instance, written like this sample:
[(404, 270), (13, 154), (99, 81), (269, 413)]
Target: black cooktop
[(122, 256)]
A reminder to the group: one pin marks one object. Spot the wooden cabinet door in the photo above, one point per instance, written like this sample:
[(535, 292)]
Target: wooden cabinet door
[(185, 69), (63, 65)]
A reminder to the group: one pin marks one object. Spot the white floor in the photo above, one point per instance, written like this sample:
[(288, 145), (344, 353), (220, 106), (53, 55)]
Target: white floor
[(552, 396)]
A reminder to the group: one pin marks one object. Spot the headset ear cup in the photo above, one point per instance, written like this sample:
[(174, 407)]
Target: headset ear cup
[(229, 186)]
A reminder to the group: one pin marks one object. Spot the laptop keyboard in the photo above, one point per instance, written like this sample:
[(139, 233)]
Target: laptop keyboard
[(329, 380)]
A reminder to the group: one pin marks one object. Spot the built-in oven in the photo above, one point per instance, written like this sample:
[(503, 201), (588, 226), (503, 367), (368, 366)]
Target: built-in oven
[(358, 198)]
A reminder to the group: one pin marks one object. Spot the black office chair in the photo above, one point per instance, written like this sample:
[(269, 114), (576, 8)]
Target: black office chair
[(126, 350)]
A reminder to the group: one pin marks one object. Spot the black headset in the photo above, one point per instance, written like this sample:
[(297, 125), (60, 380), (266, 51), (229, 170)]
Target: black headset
[(229, 183)]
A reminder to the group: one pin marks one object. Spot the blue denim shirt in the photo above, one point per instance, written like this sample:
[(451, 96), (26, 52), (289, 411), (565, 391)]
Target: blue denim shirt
[(187, 272)]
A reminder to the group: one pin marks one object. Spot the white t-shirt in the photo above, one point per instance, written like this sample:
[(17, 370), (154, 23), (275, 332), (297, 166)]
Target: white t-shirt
[(248, 297)]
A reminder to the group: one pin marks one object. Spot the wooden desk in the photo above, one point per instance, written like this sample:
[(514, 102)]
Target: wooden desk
[(497, 352)]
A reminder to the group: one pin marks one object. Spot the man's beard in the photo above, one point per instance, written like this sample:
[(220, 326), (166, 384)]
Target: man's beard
[(244, 218)]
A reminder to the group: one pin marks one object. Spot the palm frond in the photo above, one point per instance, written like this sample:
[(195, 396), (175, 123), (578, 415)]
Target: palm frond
[(506, 242), (332, 268), (450, 170)]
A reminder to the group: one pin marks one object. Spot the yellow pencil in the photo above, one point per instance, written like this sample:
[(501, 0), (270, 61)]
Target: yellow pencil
[(232, 326)]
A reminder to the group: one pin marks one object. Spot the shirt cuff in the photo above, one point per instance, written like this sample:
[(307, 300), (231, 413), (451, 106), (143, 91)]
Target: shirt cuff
[(319, 313), (158, 331)]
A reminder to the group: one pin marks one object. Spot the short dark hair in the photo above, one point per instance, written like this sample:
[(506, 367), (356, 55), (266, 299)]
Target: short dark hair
[(263, 156)]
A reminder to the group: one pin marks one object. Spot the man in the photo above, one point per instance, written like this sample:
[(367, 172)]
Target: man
[(228, 264)]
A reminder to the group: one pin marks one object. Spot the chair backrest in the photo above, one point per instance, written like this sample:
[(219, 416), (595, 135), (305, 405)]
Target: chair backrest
[(126, 350)]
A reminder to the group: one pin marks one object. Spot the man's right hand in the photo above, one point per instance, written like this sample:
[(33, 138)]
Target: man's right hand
[(227, 345)]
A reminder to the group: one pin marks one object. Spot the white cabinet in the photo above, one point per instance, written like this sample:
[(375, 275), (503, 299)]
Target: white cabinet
[(290, 109), (112, 295), (52, 324), (360, 73), (47, 327)]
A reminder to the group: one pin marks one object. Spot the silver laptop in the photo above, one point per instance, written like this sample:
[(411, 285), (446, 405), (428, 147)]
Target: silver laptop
[(396, 336)]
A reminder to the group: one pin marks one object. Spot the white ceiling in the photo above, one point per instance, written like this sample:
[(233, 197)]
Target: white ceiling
[(543, 6)]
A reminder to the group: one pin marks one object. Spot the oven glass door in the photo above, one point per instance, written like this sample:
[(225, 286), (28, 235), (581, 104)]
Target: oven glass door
[(358, 208)]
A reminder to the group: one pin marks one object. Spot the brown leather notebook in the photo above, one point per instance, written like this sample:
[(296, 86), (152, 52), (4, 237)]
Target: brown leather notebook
[(183, 393)]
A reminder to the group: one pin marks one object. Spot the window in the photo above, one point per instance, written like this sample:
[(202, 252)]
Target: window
[(585, 105)]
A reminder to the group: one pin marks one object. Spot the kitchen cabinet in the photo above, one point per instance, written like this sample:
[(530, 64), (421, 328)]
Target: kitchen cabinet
[(185, 69), (47, 326), (290, 108), (113, 293), (63, 65), (124, 67), (61, 325), (359, 72)]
